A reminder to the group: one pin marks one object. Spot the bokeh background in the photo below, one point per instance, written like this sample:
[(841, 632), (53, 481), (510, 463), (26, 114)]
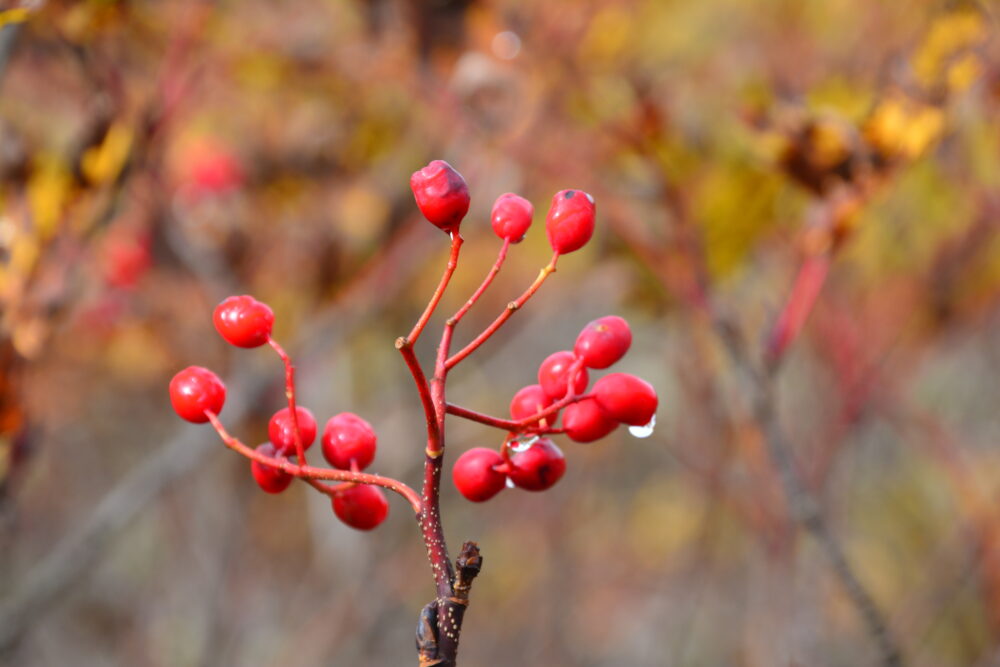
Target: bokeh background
[(158, 156)]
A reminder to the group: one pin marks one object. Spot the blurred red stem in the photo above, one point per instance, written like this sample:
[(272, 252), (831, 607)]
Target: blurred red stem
[(808, 283)]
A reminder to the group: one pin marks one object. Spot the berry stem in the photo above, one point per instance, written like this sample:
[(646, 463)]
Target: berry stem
[(309, 473), (519, 425), (456, 246), (423, 389), (300, 450), (501, 256), (511, 308)]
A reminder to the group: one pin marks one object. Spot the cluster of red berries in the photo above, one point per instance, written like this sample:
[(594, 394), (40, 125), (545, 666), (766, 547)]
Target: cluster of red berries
[(443, 197), (348, 441), (533, 462)]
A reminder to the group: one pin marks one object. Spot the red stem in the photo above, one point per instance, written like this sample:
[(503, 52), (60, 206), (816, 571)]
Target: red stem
[(300, 450), (501, 256), (511, 308), (456, 245), (308, 473), (514, 426), (787, 327)]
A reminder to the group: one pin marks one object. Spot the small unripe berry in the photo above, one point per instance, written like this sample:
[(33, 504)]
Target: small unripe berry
[(281, 429), (347, 437), (474, 475), (538, 467), (625, 397), (553, 375), (269, 478), (441, 194), (511, 217), (195, 390), (570, 222), (530, 401), (603, 342), (362, 506), (584, 421), (243, 321)]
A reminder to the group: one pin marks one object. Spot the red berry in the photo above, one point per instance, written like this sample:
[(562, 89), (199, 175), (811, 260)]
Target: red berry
[(603, 342), (475, 477), (441, 194), (584, 421), (195, 390), (511, 216), (269, 478), (553, 375), (281, 429), (626, 398), (570, 222), (362, 506), (530, 401), (243, 321), (538, 467), (347, 437)]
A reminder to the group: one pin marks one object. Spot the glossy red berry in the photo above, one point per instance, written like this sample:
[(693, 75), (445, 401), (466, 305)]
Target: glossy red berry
[(269, 478), (347, 437), (584, 421), (195, 390), (625, 397), (441, 194), (243, 321), (281, 430), (603, 342), (511, 216), (570, 222), (553, 375), (538, 467), (530, 401), (362, 506), (474, 475)]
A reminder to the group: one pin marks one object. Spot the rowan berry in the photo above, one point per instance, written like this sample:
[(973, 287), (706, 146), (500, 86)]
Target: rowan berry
[(538, 467), (625, 397), (530, 401), (511, 217), (361, 506), (281, 429), (244, 321), (441, 194), (269, 478), (584, 421), (474, 475), (603, 341), (346, 438), (553, 375), (570, 221), (195, 390)]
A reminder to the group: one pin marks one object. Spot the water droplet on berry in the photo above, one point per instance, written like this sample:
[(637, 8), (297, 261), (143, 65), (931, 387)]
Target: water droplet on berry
[(521, 445), (643, 431)]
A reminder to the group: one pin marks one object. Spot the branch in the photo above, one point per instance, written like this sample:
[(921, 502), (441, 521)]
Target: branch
[(511, 308), (312, 473), (512, 425), (456, 246)]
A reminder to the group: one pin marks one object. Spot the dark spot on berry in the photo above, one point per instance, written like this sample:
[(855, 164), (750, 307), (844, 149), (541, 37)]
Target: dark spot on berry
[(569, 194)]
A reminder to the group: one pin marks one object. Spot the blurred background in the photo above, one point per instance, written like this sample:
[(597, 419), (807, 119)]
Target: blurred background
[(822, 485)]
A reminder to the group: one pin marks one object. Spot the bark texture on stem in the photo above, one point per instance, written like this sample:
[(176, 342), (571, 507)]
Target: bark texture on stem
[(440, 623)]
